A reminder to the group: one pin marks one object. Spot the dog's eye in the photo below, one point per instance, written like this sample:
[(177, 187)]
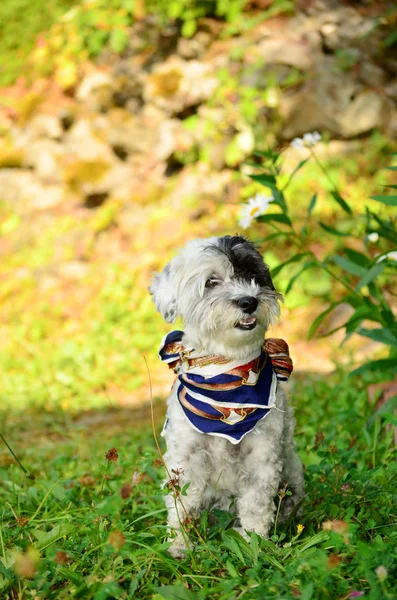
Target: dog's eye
[(211, 282)]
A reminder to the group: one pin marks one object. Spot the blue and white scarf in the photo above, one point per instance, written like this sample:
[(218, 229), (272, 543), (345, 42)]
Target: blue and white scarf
[(223, 397)]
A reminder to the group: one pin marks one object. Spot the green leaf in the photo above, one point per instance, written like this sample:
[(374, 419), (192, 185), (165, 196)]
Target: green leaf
[(363, 312), (118, 40), (273, 236), (107, 590), (342, 203), (311, 205), (389, 200), (357, 257), (394, 168), (269, 154), (280, 218), (275, 563), (280, 200), (375, 365), (294, 172), (314, 540), (232, 569), (388, 407), (391, 39), (318, 320), (349, 266), (293, 259), (189, 28), (307, 592), (308, 265), (185, 488), (174, 9), (384, 336), (264, 179), (254, 542), (332, 230), (238, 545), (46, 538), (371, 274)]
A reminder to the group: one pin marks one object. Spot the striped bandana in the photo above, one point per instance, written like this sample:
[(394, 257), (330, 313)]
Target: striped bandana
[(223, 397)]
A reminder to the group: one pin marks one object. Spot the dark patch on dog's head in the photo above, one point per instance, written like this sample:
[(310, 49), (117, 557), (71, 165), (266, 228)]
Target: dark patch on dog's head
[(246, 260)]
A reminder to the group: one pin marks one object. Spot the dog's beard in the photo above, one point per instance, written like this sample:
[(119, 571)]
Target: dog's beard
[(216, 324)]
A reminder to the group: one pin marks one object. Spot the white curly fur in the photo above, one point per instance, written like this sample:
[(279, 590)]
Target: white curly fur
[(251, 472)]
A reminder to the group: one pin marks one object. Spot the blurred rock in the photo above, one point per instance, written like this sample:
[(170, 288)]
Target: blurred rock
[(96, 91), (172, 137), (284, 50), (342, 26), (367, 111), (391, 90), (81, 141), (43, 126), (25, 192), (194, 47), (128, 81), (371, 74), (319, 104), (124, 133), (44, 157), (177, 84)]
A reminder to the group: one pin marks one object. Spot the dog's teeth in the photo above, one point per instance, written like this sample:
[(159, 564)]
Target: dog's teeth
[(247, 323)]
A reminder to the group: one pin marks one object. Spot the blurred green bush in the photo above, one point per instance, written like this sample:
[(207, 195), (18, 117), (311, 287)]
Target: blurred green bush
[(75, 30)]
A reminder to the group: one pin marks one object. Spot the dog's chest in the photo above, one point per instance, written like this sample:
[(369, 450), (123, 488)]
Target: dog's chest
[(227, 464)]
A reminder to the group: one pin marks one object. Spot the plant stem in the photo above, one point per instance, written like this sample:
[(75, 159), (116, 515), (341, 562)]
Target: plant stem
[(277, 514), (323, 170), (28, 474), (375, 443), (103, 478)]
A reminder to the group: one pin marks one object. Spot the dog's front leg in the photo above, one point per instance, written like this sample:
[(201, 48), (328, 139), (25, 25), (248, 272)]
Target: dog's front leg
[(261, 469), (186, 464), (181, 510), (256, 507)]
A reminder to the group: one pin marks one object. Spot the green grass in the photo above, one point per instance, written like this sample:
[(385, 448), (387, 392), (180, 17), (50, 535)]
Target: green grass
[(71, 534)]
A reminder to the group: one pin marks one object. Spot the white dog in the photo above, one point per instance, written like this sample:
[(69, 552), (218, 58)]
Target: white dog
[(229, 428)]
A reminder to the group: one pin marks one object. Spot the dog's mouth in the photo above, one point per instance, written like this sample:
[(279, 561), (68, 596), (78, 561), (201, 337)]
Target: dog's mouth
[(246, 323)]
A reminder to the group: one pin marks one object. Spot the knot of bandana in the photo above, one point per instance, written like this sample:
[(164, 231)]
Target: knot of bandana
[(223, 397)]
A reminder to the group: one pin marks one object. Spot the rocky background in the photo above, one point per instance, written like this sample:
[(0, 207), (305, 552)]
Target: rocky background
[(103, 177)]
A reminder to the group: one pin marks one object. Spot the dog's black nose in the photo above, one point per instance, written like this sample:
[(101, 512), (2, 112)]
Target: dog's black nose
[(248, 304)]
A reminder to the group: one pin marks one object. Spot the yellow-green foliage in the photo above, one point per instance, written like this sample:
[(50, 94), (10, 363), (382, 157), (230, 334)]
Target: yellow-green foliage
[(79, 172), (77, 317), (74, 30), (20, 22)]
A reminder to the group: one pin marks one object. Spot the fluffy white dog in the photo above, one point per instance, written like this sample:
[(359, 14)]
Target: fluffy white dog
[(229, 427)]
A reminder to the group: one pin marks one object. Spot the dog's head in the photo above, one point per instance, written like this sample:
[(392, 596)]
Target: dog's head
[(223, 291)]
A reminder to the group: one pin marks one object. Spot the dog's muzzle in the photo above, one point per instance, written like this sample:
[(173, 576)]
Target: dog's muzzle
[(248, 304)]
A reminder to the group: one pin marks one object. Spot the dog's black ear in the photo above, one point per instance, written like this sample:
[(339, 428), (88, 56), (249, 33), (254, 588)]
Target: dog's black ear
[(163, 294)]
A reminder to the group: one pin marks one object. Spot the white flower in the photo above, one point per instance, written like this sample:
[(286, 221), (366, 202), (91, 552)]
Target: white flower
[(297, 143), (256, 207), (381, 572), (308, 141), (389, 255), (373, 237), (311, 139)]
